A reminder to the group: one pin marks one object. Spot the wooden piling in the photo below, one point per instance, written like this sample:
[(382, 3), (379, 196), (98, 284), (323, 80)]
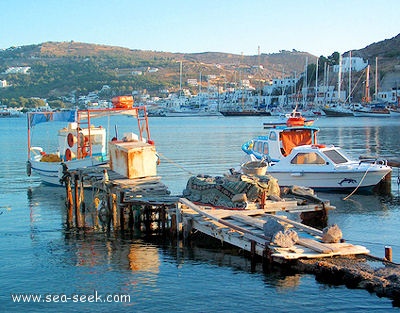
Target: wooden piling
[(121, 211), (388, 253), (114, 210), (77, 202), (70, 214), (384, 187)]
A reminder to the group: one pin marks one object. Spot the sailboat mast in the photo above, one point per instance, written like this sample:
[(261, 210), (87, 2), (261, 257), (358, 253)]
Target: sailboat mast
[(316, 83), (367, 96), (376, 79), (180, 78), (349, 77), (339, 76), (305, 92)]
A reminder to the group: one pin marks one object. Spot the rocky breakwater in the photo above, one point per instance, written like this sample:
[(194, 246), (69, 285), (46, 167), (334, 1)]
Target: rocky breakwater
[(358, 272)]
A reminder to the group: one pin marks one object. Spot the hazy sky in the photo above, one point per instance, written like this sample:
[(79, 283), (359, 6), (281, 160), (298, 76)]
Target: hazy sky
[(318, 27)]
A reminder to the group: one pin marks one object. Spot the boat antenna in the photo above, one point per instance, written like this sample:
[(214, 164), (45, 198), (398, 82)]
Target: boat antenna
[(116, 131)]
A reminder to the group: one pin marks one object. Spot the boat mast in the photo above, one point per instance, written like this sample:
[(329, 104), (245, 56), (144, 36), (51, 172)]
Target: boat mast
[(316, 83), (376, 79), (349, 77), (180, 79), (305, 90), (339, 77), (367, 96)]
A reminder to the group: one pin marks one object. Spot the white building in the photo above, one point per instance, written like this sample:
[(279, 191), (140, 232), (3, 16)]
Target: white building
[(280, 83), (3, 83), (391, 96), (17, 70), (356, 64)]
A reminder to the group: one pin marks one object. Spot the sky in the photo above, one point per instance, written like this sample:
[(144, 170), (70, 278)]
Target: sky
[(319, 27)]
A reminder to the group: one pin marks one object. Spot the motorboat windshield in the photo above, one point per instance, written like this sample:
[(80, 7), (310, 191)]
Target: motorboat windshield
[(336, 156)]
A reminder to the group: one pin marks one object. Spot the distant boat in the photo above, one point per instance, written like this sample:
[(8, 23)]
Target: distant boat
[(337, 110), (373, 110), (370, 108)]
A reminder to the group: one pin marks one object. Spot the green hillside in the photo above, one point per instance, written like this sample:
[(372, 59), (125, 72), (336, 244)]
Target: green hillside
[(73, 69)]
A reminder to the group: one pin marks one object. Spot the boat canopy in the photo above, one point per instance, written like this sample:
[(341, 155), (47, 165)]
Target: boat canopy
[(35, 118), (291, 138)]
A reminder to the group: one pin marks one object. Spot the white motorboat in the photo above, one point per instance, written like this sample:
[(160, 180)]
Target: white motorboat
[(294, 157)]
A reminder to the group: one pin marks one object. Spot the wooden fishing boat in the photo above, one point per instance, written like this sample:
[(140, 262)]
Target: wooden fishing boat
[(80, 143)]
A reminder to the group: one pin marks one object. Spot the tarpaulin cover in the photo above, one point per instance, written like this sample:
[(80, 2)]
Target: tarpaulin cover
[(43, 117)]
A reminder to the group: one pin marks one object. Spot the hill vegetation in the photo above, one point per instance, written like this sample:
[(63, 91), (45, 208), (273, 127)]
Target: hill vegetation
[(68, 70)]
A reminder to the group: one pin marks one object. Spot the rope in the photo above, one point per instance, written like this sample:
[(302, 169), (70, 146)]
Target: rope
[(174, 163), (359, 184)]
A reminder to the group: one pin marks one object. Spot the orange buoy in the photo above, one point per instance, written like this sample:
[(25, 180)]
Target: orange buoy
[(71, 140), (68, 155)]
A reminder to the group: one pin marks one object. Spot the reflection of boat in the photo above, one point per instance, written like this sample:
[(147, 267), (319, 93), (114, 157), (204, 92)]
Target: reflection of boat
[(80, 144), (296, 158)]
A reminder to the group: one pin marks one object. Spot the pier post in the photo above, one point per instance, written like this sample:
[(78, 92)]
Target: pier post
[(384, 187), (121, 211), (77, 202), (388, 253), (70, 212), (114, 210), (253, 255), (163, 218), (82, 202)]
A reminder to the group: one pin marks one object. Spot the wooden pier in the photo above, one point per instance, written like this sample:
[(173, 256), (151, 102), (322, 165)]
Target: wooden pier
[(99, 198), (244, 229)]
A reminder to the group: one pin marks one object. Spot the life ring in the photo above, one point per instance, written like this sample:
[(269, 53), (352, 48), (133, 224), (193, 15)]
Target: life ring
[(68, 155), (71, 139)]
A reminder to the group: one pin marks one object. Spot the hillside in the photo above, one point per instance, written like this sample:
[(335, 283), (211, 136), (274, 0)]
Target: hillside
[(387, 51), (59, 69)]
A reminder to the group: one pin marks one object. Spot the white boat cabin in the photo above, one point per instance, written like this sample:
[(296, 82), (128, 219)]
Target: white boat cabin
[(280, 141)]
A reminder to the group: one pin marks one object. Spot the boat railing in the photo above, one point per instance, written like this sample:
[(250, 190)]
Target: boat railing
[(377, 161)]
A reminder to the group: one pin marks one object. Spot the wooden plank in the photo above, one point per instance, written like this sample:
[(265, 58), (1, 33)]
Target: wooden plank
[(226, 223), (248, 220), (222, 226), (315, 245)]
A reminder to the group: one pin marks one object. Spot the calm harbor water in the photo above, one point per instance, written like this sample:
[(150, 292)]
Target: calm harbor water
[(39, 257)]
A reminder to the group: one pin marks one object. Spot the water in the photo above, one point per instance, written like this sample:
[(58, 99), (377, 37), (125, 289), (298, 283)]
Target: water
[(39, 257)]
